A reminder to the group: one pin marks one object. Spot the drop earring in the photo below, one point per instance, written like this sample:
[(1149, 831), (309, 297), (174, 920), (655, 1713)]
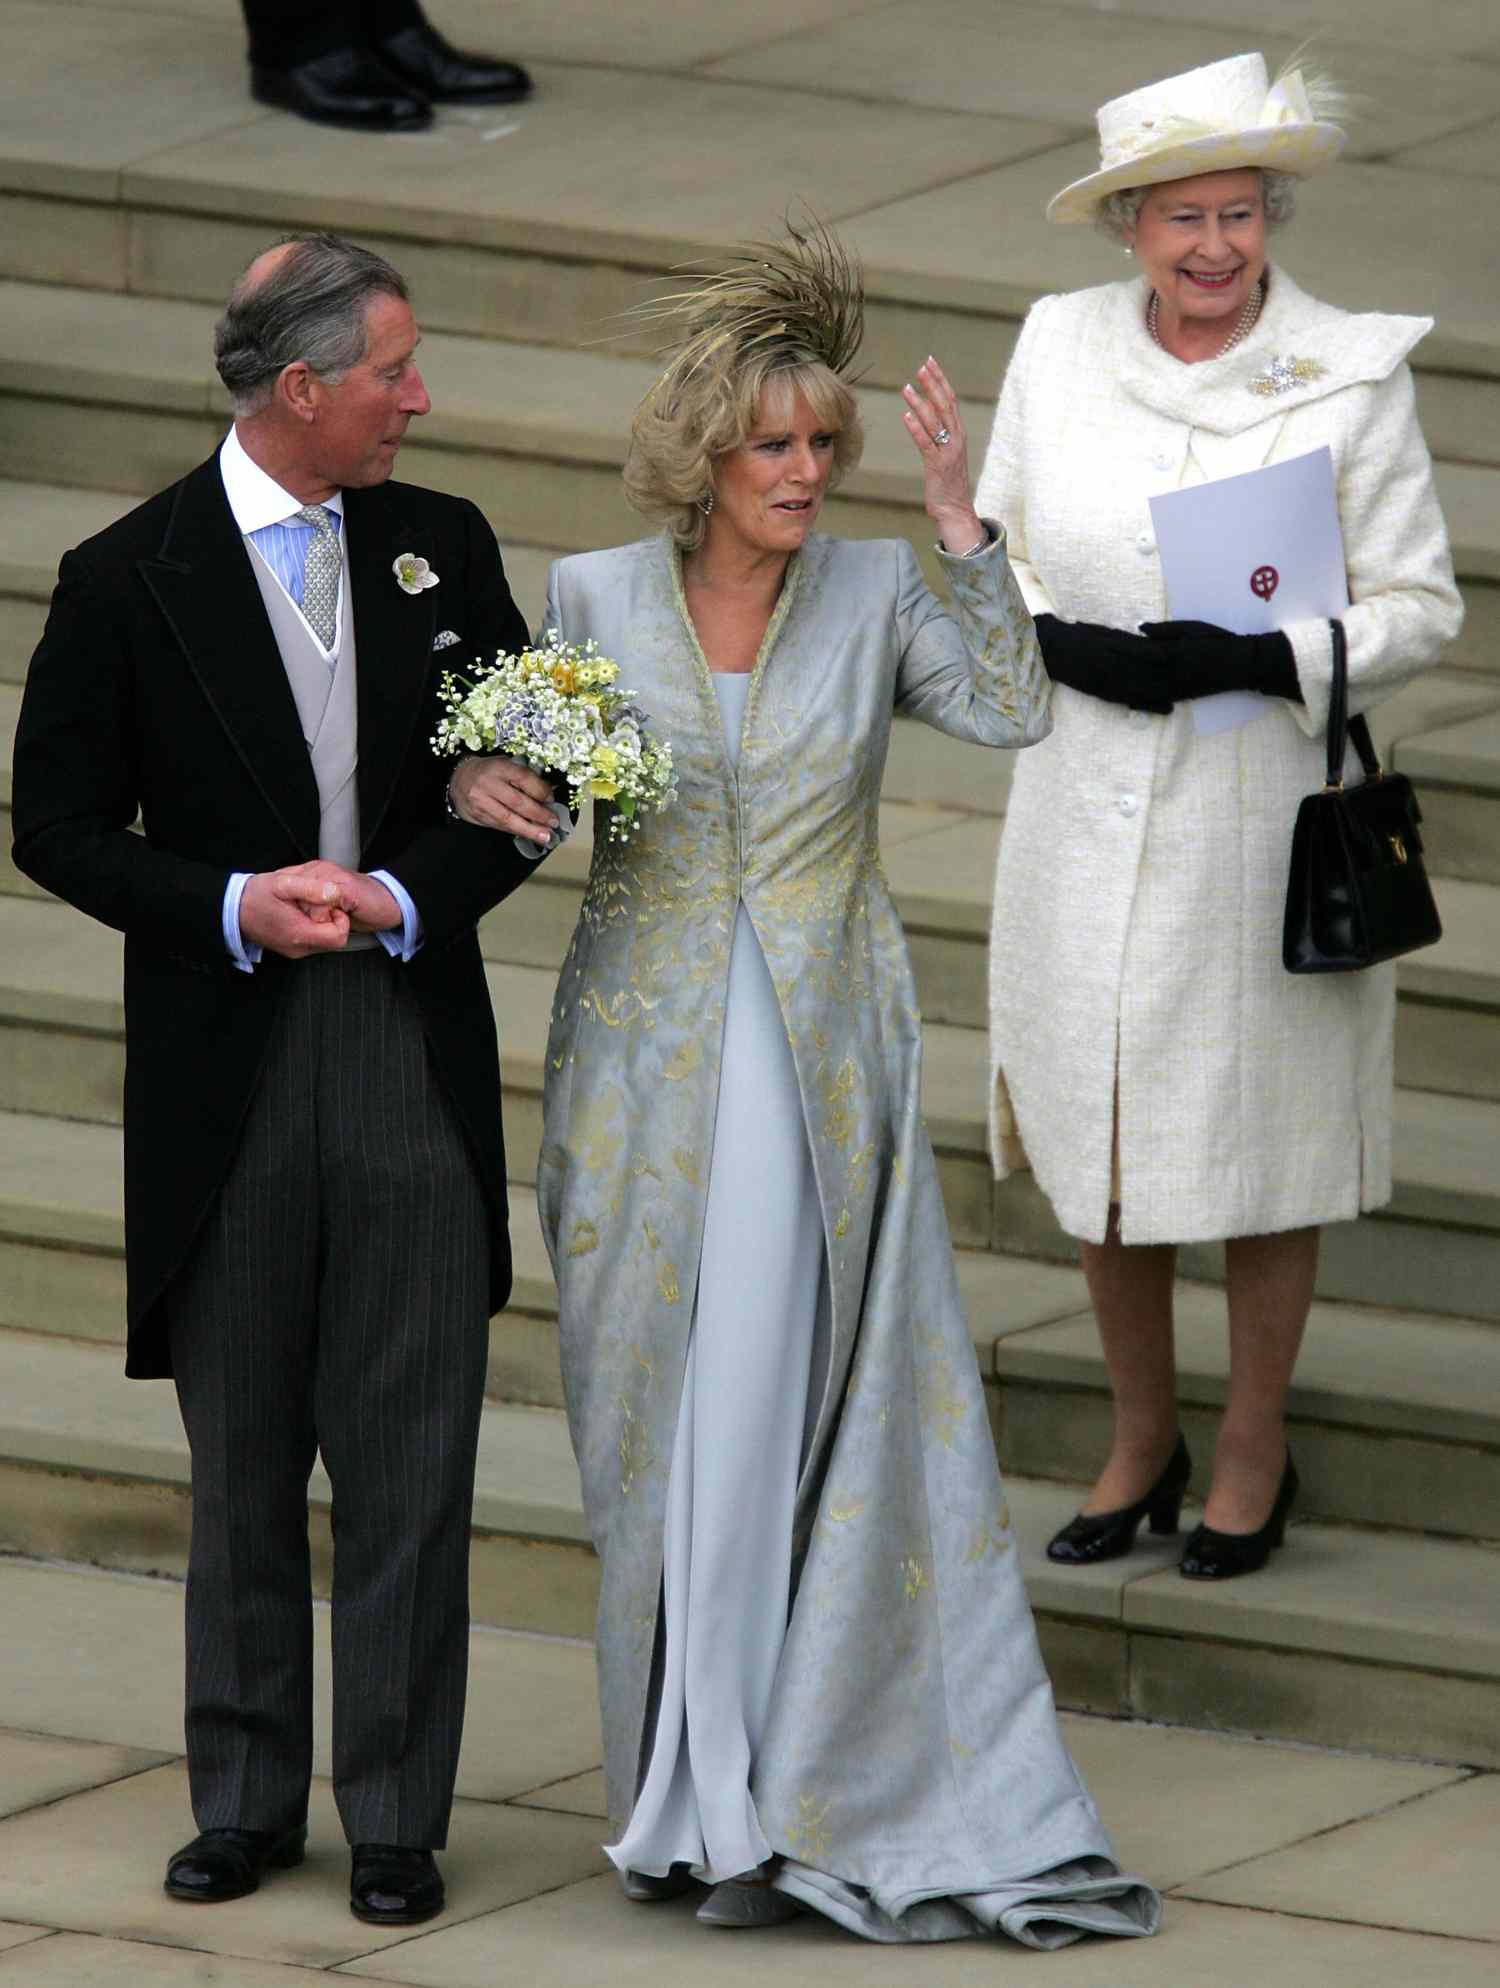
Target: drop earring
[(706, 504)]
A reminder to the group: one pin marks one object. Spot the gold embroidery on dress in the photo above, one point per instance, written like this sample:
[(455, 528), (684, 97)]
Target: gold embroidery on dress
[(666, 1282), (941, 1409), (636, 1454), (684, 1060), (585, 1239), (914, 1577), (807, 1838)]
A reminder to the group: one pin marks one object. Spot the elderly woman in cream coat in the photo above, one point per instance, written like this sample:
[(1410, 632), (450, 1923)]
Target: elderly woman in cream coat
[(1152, 1061)]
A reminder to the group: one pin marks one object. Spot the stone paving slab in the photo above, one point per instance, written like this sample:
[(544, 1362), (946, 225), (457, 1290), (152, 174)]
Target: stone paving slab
[(1426, 1867), (583, 1794), (125, 96), (83, 1960), (588, 31), (1474, 153), (532, 1724), (1229, 1795), (1021, 59), (93, 1863), (549, 176), (578, 1937), (1456, 27), (20, 1936), (36, 1769)]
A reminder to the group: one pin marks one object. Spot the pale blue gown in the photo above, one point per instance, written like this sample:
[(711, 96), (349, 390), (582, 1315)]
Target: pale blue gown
[(727, 1554)]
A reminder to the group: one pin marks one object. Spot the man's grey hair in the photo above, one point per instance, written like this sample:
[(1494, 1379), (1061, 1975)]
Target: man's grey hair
[(311, 306), (1118, 212)]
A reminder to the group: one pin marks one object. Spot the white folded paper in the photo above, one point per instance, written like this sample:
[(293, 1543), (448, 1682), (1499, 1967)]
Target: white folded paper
[(1251, 553)]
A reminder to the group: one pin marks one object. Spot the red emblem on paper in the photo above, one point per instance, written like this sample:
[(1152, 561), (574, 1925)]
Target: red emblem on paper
[(1264, 581)]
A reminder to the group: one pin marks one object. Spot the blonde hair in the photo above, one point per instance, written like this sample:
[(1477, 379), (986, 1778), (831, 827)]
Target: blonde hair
[(680, 432), (776, 320)]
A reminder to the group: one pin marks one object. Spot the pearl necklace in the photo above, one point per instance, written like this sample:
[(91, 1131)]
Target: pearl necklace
[(1244, 324)]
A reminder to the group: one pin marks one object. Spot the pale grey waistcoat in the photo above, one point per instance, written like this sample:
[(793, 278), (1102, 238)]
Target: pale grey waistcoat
[(327, 707)]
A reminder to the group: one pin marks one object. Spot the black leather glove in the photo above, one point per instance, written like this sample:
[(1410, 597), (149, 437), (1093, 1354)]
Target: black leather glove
[(1199, 660), (1106, 663)]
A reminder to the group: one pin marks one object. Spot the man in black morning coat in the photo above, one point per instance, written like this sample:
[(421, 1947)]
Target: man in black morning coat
[(314, 1168)]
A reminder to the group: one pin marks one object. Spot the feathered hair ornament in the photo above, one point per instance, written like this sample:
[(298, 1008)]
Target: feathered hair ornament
[(797, 302)]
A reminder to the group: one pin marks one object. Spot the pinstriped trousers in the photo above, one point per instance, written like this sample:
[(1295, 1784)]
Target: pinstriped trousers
[(337, 1300)]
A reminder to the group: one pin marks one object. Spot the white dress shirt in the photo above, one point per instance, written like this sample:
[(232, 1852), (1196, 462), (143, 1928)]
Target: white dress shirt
[(267, 515)]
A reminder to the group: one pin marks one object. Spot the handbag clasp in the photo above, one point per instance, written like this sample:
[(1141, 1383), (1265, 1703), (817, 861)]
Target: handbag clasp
[(1398, 847)]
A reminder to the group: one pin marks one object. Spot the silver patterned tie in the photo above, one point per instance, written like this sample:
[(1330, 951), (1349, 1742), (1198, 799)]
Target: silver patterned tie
[(320, 574)]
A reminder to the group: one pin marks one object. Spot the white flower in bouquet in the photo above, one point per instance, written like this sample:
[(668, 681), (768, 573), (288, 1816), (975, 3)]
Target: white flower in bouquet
[(559, 709)]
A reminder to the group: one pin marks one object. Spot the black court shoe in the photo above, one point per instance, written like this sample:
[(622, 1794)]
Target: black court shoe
[(1107, 1535), (1220, 1556), (230, 1863)]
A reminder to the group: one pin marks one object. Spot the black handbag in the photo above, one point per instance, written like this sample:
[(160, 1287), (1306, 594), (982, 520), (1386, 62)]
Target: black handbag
[(1358, 892)]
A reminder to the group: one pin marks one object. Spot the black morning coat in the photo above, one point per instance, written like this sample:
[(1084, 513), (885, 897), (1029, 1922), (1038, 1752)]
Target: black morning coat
[(158, 687)]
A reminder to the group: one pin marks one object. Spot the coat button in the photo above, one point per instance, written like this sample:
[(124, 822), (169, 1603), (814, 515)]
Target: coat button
[(1127, 804), (1145, 542)]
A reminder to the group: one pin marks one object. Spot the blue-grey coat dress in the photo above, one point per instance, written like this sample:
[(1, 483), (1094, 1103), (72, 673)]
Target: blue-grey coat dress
[(911, 1774)]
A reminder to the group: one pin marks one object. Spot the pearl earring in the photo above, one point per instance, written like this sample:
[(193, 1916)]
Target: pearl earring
[(1128, 249)]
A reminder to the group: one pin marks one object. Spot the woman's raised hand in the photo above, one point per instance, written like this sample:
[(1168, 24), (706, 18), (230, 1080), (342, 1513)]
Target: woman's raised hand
[(936, 428)]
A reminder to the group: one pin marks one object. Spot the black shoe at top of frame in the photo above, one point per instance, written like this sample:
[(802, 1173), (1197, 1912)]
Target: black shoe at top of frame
[(443, 74), (1091, 1537), (346, 87), (230, 1863), (392, 1886), (1220, 1556)]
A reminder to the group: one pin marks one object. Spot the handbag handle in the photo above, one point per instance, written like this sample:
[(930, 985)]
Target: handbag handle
[(1341, 727)]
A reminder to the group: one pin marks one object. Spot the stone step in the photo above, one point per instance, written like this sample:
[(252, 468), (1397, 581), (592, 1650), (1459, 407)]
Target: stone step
[(1388, 1641), (99, 387), (941, 868), (1435, 1248), (1394, 1417), (910, 151), (61, 1024), (1457, 771)]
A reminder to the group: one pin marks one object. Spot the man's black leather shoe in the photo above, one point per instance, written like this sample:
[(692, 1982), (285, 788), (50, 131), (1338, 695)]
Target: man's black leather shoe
[(230, 1863), (443, 74), (348, 87), (389, 1886)]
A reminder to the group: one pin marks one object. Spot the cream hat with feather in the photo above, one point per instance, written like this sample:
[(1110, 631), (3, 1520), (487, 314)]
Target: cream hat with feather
[(1220, 118)]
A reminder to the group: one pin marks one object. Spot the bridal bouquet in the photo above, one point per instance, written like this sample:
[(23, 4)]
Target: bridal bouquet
[(559, 708)]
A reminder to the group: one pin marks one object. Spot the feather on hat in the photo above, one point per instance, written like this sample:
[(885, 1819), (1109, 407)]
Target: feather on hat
[(799, 302), (1220, 118)]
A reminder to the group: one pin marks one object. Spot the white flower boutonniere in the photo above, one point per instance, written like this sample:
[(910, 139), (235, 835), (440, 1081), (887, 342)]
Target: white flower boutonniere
[(413, 575)]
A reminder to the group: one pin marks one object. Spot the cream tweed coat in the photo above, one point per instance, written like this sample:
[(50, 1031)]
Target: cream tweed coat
[(1142, 873)]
